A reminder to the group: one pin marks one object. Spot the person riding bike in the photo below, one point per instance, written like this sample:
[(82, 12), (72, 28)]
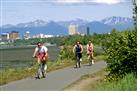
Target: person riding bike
[(77, 50), (41, 53), (90, 52)]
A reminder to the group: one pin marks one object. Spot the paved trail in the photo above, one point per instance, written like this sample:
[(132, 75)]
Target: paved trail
[(55, 80)]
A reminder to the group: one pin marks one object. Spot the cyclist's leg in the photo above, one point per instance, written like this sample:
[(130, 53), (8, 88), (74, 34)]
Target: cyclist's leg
[(92, 58), (76, 60), (38, 68), (42, 69), (45, 69), (79, 57), (90, 61), (79, 63), (39, 72), (38, 60)]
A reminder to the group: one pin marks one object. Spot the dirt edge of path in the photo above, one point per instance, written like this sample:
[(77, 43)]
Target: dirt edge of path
[(83, 84)]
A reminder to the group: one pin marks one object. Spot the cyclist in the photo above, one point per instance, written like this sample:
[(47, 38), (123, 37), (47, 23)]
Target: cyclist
[(90, 52), (41, 53), (77, 50)]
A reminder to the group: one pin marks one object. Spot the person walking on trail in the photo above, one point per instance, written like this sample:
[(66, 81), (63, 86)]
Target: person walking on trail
[(41, 53), (90, 47), (77, 50)]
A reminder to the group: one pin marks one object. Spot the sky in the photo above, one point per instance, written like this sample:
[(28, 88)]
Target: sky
[(21, 11)]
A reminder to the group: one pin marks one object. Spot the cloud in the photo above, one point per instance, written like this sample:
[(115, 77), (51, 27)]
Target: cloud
[(87, 1), (109, 1), (69, 2)]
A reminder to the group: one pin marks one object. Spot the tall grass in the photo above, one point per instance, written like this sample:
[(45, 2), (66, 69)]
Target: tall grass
[(8, 75), (128, 83)]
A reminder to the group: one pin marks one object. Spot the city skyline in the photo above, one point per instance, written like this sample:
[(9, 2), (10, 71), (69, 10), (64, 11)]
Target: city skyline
[(14, 11)]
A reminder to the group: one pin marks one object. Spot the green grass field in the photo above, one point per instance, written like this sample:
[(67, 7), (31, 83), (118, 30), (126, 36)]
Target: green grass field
[(128, 83), (22, 57)]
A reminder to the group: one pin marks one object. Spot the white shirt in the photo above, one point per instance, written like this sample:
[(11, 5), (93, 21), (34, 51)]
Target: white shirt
[(43, 49)]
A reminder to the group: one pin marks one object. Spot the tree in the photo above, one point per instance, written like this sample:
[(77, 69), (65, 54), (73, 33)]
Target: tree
[(135, 13)]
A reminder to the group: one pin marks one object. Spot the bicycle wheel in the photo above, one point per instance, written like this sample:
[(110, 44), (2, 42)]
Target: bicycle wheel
[(39, 71), (44, 68), (90, 61), (78, 62)]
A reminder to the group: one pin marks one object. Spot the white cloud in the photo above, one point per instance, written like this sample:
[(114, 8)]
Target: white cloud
[(70, 1), (88, 1), (107, 1), (73, 1)]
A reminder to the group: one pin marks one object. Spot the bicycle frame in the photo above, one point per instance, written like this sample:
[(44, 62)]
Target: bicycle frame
[(78, 63)]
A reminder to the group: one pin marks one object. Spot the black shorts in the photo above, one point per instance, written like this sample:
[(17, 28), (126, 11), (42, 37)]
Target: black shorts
[(79, 55)]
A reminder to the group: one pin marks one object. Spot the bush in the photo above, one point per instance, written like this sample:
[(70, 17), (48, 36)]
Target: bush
[(121, 48), (66, 52)]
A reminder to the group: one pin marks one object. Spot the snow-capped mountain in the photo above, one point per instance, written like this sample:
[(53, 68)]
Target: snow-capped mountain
[(116, 20), (61, 27), (36, 23)]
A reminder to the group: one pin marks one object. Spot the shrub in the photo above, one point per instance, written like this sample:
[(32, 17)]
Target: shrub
[(121, 48), (66, 52)]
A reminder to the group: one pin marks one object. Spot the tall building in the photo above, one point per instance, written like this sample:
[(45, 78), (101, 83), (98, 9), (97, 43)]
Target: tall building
[(27, 35), (72, 29), (88, 31), (14, 35)]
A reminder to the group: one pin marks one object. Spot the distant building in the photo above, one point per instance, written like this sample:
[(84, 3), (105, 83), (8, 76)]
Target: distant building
[(88, 31), (4, 36), (84, 30), (42, 36), (48, 36), (14, 35), (72, 29), (27, 35)]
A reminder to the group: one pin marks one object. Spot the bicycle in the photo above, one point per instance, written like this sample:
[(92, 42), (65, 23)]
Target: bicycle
[(41, 70), (78, 59), (90, 59)]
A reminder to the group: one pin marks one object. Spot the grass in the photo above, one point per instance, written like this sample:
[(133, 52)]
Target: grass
[(60, 64), (128, 83), (100, 57), (8, 75), (12, 74)]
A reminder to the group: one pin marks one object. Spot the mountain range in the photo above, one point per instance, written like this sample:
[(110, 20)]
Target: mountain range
[(61, 27)]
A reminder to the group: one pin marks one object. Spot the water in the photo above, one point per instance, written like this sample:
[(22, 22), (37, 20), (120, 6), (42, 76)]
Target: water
[(22, 56)]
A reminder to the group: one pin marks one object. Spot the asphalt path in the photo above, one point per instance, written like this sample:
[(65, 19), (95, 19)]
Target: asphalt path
[(55, 80)]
